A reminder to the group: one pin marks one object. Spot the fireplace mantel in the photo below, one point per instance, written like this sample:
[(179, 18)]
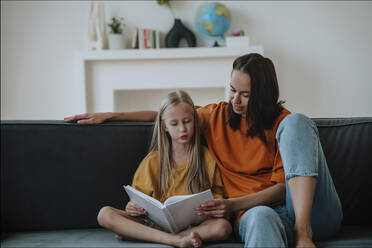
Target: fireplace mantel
[(137, 79)]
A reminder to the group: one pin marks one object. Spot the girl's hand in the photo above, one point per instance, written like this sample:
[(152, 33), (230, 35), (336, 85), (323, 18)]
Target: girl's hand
[(88, 118), (134, 210), (216, 208)]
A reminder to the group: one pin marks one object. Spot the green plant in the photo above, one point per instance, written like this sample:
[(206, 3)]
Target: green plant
[(116, 25), (167, 3), (163, 2)]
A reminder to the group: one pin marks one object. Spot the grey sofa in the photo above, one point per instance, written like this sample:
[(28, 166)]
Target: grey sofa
[(55, 176)]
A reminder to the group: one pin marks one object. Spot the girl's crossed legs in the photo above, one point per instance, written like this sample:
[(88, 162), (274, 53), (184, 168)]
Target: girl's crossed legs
[(130, 228)]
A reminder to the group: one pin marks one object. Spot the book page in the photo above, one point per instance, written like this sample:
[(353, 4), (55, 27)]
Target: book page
[(176, 198), (153, 207), (184, 212), (133, 191)]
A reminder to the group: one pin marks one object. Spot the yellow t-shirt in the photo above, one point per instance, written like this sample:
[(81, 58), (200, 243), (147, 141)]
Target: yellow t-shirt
[(147, 175)]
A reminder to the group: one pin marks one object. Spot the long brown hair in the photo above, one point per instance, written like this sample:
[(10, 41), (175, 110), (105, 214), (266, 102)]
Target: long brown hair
[(197, 177), (263, 105)]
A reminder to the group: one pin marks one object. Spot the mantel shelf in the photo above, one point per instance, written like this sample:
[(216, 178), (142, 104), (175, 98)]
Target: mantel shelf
[(115, 80), (168, 53)]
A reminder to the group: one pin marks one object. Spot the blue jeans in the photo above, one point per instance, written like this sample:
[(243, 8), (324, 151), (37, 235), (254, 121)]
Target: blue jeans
[(302, 155)]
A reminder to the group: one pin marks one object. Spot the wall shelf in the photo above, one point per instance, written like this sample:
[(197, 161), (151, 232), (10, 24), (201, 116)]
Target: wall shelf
[(168, 53)]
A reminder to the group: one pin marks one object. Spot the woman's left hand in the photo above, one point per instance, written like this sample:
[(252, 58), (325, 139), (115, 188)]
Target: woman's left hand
[(216, 208)]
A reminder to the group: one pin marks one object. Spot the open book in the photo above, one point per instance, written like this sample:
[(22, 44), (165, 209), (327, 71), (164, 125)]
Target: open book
[(177, 212)]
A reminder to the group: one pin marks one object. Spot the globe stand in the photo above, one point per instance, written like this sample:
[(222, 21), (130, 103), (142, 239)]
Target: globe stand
[(218, 40)]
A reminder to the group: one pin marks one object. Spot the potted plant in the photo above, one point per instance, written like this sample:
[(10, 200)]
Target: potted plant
[(116, 36)]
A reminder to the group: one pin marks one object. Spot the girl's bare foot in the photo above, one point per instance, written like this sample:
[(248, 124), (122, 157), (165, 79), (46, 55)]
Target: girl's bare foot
[(193, 239)]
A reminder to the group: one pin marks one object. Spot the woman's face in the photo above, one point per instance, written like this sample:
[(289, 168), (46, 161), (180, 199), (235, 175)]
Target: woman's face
[(240, 90)]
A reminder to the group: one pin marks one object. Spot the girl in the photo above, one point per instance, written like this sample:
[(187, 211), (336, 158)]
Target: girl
[(267, 156), (176, 165)]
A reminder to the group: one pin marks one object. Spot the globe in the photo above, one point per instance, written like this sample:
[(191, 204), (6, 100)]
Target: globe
[(213, 19)]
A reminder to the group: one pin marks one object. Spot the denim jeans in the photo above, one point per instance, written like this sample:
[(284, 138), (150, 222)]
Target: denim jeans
[(302, 155)]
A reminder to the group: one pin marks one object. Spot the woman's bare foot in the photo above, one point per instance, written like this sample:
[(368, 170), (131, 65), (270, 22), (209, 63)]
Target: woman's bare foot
[(304, 237), (193, 239), (119, 237)]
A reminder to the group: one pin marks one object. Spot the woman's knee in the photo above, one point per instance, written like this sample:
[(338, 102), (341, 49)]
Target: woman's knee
[(260, 215), (297, 118), (105, 215), (296, 123)]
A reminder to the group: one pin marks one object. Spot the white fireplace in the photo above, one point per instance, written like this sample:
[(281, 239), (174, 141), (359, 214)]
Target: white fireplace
[(130, 80)]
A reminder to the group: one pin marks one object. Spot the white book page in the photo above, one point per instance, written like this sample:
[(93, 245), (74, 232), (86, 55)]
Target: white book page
[(175, 199), (184, 212), (132, 191), (153, 207)]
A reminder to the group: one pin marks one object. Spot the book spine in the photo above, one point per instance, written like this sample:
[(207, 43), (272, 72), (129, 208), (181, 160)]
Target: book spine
[(141, 44), (153, 38), (145, 38), (157, 39), (149, 39), (172, 225), (135, 38), (147, 35)]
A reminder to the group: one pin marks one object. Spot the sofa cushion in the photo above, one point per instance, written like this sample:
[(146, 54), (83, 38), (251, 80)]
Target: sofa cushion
[(351, 236), (69, 238)]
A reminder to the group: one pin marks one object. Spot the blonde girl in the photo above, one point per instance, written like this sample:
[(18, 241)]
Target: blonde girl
[(176, 165)]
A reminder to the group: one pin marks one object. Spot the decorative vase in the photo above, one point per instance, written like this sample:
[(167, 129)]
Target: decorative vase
[(177, 32), (97, 27), (117, 41)]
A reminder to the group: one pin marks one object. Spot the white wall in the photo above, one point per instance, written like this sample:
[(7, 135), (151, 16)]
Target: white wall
[(321, 51)]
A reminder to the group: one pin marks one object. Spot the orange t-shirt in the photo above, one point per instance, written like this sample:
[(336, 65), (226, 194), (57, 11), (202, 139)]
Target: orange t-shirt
[(247, 166)]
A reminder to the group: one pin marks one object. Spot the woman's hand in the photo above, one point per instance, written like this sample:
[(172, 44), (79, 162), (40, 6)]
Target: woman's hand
[(134, 210), (215, 208), (88, 118)]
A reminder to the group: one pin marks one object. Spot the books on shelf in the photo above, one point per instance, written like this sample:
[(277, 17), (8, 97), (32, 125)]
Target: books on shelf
[(176, 213), (145, 39)]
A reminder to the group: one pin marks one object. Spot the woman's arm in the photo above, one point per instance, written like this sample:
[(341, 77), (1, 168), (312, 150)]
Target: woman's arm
[(269, 197), (96, 118), (222, 207)]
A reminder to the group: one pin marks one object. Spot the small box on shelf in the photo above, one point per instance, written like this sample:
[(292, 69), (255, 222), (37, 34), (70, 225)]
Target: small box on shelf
[(237, 41)]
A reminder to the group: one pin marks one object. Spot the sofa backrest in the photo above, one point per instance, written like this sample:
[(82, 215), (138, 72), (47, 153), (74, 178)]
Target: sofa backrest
[(347, 145), (57, 175)]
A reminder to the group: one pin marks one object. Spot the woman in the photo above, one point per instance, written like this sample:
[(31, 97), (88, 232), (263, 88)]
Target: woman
[(267, 156)]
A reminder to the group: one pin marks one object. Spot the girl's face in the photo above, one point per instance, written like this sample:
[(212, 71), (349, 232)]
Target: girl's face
[(179, 123), (240, 89)]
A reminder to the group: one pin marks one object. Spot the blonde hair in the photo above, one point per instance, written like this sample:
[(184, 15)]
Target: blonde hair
[(197, 178)]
